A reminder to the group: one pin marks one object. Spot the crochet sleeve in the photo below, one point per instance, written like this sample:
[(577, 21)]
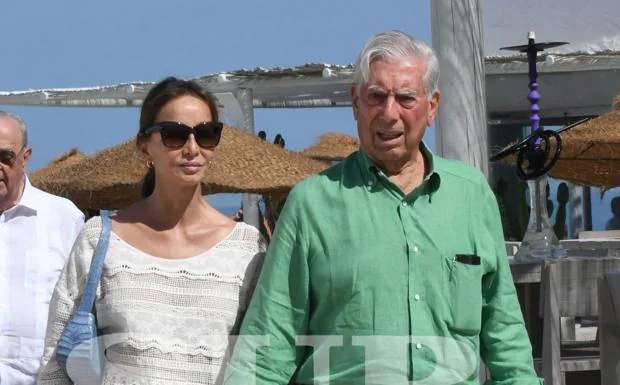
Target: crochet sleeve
[(65, 299)]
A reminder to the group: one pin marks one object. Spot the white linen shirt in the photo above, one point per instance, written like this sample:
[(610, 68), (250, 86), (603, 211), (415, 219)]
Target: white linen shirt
[(36, 236)]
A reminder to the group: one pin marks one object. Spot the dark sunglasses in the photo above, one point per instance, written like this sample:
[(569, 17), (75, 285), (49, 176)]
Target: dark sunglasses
[(7, 157), (174, 134)]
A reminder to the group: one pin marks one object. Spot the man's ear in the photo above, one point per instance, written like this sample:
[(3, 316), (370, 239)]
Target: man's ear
[(27, 154), (434, 106)]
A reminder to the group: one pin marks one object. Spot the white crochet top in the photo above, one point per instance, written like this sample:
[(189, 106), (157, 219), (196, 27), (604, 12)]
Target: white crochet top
[(169, 319)]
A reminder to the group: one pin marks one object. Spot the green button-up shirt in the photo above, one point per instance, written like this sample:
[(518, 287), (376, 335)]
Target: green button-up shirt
[(424, 273)]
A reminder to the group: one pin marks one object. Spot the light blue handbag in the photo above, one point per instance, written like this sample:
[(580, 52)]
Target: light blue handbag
[(79, 352)]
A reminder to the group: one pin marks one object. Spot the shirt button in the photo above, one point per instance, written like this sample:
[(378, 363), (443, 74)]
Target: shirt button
[(418, 346), (415, 249), (417, 297), (404, 204), (371, 182)]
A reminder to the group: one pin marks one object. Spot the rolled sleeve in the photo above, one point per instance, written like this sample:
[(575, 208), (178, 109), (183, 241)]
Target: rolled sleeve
[(278, 310)]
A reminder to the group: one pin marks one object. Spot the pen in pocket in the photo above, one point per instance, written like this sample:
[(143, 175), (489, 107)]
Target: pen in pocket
[(452, 268)]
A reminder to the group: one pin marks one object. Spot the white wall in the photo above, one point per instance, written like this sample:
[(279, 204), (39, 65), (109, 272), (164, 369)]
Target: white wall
[(589, 25)]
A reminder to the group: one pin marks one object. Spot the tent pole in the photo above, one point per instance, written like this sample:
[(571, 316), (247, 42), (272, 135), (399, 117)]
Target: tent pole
[(250, 201), (587, 208)]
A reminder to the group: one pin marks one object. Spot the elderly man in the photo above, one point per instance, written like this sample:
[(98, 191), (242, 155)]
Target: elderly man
[(389, 267), (37, 231)]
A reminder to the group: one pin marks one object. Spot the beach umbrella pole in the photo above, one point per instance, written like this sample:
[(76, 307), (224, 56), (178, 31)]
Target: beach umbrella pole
[(249, 201)]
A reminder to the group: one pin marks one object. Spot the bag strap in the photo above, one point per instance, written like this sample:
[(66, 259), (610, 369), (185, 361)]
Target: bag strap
[(96, 265)]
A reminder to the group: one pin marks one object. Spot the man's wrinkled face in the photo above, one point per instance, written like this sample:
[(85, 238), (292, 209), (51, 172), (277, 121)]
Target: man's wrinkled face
[(393, 109), (13, 159)]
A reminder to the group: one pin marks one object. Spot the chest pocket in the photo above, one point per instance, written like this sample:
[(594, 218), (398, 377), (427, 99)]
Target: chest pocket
[(463, 283)]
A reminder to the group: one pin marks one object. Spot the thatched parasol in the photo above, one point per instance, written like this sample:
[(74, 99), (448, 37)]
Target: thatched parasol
[(332, 146), (242, 163), (66, 159), (591, 152)]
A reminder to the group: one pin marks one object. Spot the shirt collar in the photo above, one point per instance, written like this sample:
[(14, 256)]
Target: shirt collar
[(29, 196), (371, 172)]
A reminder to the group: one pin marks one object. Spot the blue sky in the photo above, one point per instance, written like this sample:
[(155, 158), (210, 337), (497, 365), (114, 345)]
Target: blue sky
[(77, 44), (83, 43)]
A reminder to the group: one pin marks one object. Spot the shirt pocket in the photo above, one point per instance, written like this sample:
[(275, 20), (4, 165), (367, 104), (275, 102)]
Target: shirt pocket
[(463, 283)]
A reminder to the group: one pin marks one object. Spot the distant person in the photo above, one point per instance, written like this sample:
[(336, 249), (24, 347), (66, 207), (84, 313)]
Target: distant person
[(37, 231), (614, 222), (178, 274), (238, 216)]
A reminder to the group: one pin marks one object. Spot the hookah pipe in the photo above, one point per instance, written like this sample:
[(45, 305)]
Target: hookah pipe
[(536, 147)]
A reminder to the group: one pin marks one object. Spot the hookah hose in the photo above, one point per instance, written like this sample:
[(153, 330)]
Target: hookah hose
[(534, 157), (536, 150)]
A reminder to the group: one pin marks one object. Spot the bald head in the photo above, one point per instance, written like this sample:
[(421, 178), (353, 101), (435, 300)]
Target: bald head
[(14, 122)]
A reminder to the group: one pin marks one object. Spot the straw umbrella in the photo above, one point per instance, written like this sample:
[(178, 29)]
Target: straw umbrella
[(332, 147), (66, 159), (242, 163), (591, 152)]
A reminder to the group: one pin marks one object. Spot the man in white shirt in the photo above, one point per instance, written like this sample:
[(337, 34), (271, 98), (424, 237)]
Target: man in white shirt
[(37, 231)]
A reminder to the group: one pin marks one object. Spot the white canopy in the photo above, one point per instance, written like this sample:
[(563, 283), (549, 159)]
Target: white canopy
[(579, 79), (572, 85), (589, 26)]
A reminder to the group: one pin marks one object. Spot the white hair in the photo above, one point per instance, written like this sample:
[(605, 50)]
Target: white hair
[(391, 45), (22, 126)]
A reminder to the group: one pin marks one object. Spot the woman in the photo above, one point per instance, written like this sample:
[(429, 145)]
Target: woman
[(178, 274)]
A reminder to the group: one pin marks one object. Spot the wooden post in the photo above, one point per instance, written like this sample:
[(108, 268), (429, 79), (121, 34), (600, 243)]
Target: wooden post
[(461, 125)]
